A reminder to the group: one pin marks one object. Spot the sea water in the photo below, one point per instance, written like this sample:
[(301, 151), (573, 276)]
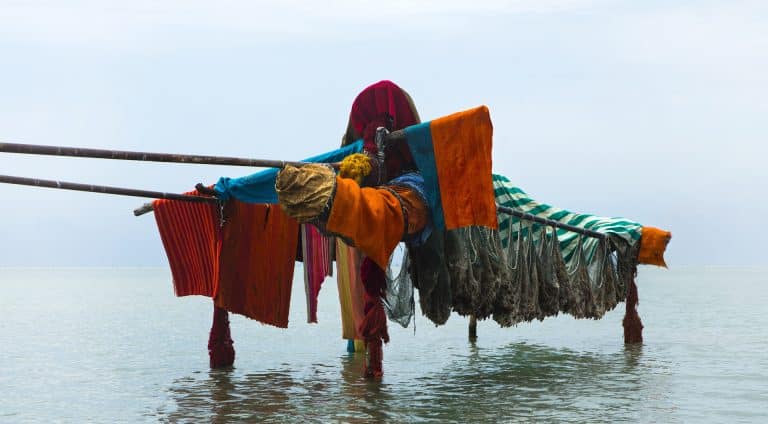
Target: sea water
[(115, 345)]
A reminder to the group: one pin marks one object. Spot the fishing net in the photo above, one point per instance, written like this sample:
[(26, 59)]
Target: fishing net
[(399, 301)]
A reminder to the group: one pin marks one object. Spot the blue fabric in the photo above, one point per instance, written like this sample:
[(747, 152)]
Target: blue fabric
[(415, 182), (419, 139), (260, 187)]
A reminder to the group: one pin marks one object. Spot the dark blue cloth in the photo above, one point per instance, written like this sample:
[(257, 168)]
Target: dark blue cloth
[(415, 182)]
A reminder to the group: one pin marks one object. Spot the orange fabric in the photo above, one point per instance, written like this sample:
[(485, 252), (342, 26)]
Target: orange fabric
[(418, 215), (371, 218), (190, 235), (653, 243), (462, 144), (257, 262)]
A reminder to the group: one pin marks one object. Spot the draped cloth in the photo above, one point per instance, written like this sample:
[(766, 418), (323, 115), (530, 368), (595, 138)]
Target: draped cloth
[(350, 287), (453, 154), (372, 218), (257, 262), (260, 187), (246, 265), (317, 252), (192, 239)]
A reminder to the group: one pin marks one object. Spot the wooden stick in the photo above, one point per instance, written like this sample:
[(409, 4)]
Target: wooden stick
[(549, 222), (34, 149), (103, 189)]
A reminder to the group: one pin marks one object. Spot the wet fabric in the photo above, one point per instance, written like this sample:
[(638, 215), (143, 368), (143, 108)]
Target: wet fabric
[(258, 257), (412, 191), (246, 277), (304, 192), (191, 237), (383, 104), (318, 263), (260, 187), (513, 197), (372, 218), (453, 155), (653, 243), (350, 287)]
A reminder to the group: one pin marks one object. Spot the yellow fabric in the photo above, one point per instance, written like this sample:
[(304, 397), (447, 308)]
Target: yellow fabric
[(356, 166), (653, 243), (304, 191), (350, 290), (371, 218)]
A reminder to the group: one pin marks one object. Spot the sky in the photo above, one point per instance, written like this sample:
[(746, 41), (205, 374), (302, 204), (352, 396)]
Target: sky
[(654, 111)]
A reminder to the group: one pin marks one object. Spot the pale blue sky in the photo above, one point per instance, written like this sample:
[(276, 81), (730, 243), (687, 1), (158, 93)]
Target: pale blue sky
[(651, 110)]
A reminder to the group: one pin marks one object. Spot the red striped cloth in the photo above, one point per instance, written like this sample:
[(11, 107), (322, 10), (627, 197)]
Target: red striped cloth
[(246, 266), (190, 235)]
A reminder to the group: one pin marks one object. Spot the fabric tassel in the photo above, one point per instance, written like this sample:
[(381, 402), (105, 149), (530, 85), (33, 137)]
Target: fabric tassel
[(220, 345), (633, 327), (374, 325)]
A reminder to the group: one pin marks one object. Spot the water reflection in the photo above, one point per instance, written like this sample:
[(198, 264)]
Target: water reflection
[(481, 385)]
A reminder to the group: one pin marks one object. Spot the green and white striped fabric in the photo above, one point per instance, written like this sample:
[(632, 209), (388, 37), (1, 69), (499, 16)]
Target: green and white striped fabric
[(510, 227)]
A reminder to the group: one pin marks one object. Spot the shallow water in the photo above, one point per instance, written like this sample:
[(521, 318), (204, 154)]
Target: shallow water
[(115, 345)]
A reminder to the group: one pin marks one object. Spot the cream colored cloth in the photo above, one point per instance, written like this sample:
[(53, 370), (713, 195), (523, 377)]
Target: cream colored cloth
[(303, 192)]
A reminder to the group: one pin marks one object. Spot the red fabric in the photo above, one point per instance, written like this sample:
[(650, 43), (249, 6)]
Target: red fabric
[(633, 327), (374, 325), (318, 264), (220, 345), (257, 262), (190, 235), (383, 104), (247, 267)]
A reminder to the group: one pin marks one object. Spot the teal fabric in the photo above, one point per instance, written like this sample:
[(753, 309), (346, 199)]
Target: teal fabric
[(260, 187), (419, 138), (509, 195)]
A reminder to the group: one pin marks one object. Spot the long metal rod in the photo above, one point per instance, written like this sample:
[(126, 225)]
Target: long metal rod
[(8, 179), (549, 222), (35, 149)]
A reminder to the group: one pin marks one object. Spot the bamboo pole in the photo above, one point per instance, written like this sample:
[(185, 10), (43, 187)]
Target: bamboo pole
[(35, 149), (8, 179), (549, 222)]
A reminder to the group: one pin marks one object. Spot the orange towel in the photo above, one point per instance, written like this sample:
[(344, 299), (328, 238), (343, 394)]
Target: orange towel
[(371, 217), (653, 243), (462, 144)]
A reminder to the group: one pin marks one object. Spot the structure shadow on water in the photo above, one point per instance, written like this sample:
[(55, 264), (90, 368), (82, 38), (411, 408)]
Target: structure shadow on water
[(517, 381)]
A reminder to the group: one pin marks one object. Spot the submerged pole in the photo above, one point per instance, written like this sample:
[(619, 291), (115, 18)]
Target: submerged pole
[(472, 328), (80, 152)]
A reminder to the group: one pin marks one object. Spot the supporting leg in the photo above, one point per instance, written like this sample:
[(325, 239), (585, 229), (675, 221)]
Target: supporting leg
[(220, 345), (633, 327), (472, 328)]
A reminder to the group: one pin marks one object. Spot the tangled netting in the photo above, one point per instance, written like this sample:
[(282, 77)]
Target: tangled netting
[(468, 271), (399, 301)]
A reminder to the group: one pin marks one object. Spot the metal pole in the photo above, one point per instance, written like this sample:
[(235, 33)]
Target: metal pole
[(549, 222), (103, 189), (34, 149)]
